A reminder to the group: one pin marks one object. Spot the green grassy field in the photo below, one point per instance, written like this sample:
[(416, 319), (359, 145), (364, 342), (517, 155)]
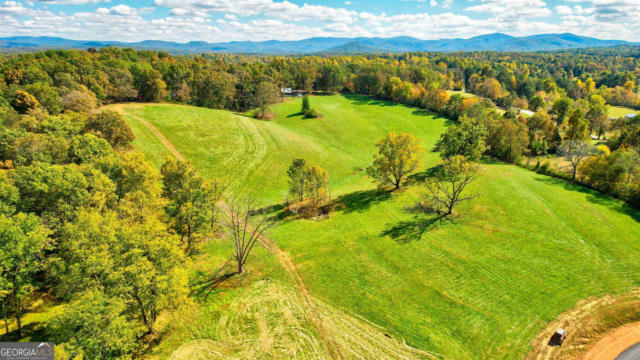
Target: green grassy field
[(619, 111), (255, 155), (526, 250)]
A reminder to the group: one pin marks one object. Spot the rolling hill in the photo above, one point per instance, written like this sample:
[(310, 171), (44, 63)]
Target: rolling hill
[(490, 42), (453, 288)]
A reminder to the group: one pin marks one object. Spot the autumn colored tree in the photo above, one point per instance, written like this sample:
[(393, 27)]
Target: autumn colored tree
[(398, 156), (110, 126)]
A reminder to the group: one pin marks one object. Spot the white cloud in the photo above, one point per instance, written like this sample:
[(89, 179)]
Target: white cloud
[(283, 10), (70, 2), (512, 8), (229, 20)]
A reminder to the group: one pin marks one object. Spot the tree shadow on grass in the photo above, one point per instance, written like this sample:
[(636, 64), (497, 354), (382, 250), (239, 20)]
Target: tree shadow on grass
[(422, 176), (361, 200), (594, 196), (407, 231), (298, 114), (368, 100), (35, 331), (207, 283)]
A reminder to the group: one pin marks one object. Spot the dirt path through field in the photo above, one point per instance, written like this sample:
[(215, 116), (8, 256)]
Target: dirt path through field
[(309, 304), (589, 327), (615, 342), (157, 133)]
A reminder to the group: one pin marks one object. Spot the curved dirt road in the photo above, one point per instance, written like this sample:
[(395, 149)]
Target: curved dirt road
[(619, 344)]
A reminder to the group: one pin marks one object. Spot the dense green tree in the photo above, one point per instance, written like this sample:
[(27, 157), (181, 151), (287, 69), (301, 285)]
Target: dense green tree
[(398, 156), (149, 83), (266, 94), (24, 241), (298, 177), (215, 89), (87, 147), (577, 127), (95, 326), (467, 138), (561, 109), (23, 101), (110, 126), (47, 96), (190, 200), (537, 102)]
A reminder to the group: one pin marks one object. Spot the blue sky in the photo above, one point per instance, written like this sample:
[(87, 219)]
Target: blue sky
[(232, 20)]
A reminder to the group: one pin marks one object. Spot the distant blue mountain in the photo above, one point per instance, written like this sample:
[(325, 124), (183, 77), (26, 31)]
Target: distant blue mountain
[(489, 42)]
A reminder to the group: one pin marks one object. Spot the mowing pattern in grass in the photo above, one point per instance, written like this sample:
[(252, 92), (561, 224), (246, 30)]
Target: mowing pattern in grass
[(528, 249), (482, 287), (254, 155)]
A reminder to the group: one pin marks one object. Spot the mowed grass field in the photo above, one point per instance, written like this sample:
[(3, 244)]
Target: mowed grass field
[(619, 111), (528, 248), (254, 155)]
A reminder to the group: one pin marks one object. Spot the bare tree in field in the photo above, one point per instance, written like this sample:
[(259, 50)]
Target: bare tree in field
[(446, 190), (576, 151), (245, 226)]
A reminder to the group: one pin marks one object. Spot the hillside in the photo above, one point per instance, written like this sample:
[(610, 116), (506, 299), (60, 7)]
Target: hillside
[(490, 42), (455, 288)]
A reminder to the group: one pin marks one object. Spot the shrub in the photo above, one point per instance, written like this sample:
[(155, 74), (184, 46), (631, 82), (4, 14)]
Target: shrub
[(311, 114)]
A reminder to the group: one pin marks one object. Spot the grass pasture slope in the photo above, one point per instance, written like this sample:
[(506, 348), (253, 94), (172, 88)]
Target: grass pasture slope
[(525, 251), (254, 155), (620, 111)]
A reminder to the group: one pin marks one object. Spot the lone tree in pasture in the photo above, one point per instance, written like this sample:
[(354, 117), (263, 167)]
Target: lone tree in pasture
[(310, 183), (266, 93), (398, 156), (245, 227), (306, 105), (317, 188), (575, 152), (306, 110), (298, 177), (447, 189)]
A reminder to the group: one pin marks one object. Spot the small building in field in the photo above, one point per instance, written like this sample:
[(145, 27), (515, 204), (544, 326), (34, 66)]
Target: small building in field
[(630, 116), (291, 92)]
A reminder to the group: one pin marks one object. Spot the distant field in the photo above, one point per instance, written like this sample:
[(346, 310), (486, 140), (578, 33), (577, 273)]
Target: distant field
[(526, 250), (619, 111), (463, 93), (254, 155)]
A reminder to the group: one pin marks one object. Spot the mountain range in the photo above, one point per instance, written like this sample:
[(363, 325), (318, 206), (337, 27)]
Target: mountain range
[(329, 45)]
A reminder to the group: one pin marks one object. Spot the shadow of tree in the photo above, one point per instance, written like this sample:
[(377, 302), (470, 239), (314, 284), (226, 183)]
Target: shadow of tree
[(206, 283), (368, 100), (424, 175), (361, 200), (298, 114), (410, 230), (34, 330)]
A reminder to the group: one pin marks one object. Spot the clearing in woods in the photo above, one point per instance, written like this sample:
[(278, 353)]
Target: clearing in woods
[(341, 335), (529, 248)]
